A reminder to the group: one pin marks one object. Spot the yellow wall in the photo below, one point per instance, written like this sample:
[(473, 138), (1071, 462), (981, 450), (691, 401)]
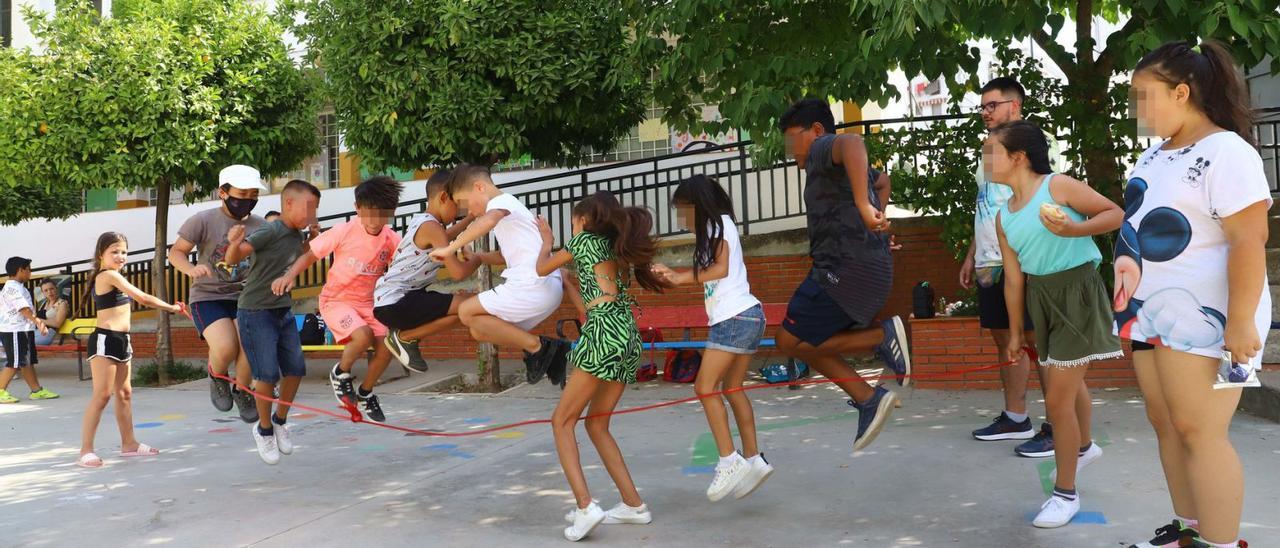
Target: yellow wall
[(850, 112), (348, 169)]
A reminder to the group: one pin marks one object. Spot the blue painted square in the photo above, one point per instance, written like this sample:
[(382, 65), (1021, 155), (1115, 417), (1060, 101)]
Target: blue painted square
[(698, 470), (1092, 518)]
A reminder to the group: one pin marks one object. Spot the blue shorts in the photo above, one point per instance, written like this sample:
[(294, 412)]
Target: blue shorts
[(207, 313), (740, 334), (813, 316), (270, 341)]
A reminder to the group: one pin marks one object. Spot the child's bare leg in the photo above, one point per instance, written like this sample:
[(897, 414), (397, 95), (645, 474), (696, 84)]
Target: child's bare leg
[(288, 390), (356, 346), (715, 364), (104, 374), (123, 389), (6, 376), (741, 404), (29, 375), (605, 400), (1060, 400), (577, 394), (1084, 414), (377, 364), (491, 329)]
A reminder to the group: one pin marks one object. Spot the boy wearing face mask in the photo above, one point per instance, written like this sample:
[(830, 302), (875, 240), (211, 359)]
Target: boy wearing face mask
[(216, 285)]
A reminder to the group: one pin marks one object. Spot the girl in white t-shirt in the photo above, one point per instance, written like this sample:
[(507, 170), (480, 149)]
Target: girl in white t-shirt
[(1191, 279), (737, 324)]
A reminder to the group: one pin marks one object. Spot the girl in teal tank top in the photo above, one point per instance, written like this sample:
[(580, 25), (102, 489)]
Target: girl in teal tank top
[(1051, 265)]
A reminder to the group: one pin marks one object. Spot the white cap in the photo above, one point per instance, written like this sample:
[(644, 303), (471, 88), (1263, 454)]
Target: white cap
[(241, 177)]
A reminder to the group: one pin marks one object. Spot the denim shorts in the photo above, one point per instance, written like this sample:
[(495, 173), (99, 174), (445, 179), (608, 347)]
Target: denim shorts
[(740, 334), (270, 341), (207, 313)]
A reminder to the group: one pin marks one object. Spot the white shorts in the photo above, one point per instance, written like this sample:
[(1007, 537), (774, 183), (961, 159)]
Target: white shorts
[(524, 303)]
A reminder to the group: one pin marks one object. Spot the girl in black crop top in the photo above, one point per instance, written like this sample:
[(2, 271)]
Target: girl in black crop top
[(109, 348)]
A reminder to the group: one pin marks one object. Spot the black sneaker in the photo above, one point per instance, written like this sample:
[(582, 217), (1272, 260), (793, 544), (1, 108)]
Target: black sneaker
[(1003, 428), (405, 352), (872, 415), (247, 405), (1173, 534), (220, 393), (372, 409), (537, 363), (1038, 447), (558, 372), (344, 389)]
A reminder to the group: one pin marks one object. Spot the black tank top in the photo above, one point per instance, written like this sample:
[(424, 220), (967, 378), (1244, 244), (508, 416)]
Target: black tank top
[(111, 299)]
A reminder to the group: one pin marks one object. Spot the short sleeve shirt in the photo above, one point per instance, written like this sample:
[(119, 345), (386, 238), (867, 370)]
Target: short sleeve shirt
[(837, 236), (208, 231), (518, 238), (1173, 244), (359, 259), (275, 248), (13, 298)]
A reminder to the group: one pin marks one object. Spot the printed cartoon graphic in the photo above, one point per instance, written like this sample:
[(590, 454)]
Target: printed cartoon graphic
[(227, 273), (1173, 316), (1195, 173)]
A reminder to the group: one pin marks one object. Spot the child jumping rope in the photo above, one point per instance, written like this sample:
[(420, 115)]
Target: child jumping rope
[(737, 324), (110, 353), (608, 242), (1191, 279), (1045, 232)]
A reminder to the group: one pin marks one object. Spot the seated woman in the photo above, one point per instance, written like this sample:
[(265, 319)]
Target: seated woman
[(53, 312)]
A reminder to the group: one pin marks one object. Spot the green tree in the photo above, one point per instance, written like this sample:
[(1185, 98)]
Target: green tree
[(422, 83), (844, 49), (160, 97)]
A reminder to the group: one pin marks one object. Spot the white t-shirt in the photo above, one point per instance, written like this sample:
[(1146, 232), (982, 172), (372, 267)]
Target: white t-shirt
[(1172, 239), (410, 269), (991, 197), (13, 298), (518, 238), (730, 295)]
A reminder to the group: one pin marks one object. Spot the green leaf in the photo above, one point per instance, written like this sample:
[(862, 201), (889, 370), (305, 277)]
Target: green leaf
[(1055, 20), (1238, 23)]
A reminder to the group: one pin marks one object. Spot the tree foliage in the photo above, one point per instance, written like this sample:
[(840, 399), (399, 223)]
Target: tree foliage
[(420, 83)]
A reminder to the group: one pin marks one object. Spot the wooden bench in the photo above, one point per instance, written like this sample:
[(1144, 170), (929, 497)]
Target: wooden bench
[(653, 319), (74, 328)]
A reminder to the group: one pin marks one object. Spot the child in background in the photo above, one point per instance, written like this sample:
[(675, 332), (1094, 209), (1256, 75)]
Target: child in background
[(18, 326), (1045, 231), (737, 324), (268, 331), (402, 300), (110, 352), (608, 242), (362, 249), (505, 314)]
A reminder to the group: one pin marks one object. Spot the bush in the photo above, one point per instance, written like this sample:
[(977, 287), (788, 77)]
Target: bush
[(179, 372), (966, 307)]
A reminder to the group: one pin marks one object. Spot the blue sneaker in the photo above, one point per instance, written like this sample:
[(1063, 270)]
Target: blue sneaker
[(893, 350), (1039, 446), (1003, 428), (872, 415)]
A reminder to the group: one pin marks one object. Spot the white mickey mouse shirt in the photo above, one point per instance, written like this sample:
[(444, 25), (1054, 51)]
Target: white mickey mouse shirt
[(1171, 254)]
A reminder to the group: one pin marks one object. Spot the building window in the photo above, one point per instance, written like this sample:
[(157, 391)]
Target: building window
[(329, 149), (6, 23)]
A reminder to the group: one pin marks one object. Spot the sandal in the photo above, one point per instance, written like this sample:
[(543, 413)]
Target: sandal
[(89, 460), (143, 450)]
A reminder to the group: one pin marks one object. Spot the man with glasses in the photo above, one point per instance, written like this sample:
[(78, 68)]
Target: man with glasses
[(1002, 100)]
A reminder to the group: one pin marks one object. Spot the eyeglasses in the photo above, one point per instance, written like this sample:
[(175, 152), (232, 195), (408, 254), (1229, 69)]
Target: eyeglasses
[(992, 106)]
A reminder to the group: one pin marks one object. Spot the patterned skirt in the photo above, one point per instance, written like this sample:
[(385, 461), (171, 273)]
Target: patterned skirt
[(609, 347)]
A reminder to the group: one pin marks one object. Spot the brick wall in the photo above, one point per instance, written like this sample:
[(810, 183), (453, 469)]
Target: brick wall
[(948, 345)]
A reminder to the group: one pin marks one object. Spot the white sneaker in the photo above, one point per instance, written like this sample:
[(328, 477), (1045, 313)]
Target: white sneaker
[(283, 442), (1056, 512), (728, 476), (758, 470), (584, 521), (267, 448), (634, 515), (1094, 452)]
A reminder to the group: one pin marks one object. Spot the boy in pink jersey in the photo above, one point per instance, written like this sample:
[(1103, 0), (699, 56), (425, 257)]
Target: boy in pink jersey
[(362, 249)]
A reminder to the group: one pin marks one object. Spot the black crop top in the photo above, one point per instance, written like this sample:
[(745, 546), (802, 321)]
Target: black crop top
[(111, 299)]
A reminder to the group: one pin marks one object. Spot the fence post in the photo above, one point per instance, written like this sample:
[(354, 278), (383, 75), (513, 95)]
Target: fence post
[(746, 208)]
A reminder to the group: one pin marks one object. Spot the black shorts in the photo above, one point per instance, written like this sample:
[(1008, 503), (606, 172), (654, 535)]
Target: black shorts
[(993, 310), (416, 308), (19, 349), (813, 316), (105, 343), (1139, 346), (206, 313)]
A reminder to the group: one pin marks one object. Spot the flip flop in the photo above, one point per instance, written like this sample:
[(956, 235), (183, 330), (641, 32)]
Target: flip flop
[(143, 450), (89, 460)]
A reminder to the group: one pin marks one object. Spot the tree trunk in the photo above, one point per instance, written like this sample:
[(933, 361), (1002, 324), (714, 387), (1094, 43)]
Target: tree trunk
[(487, 353), (164, 350)]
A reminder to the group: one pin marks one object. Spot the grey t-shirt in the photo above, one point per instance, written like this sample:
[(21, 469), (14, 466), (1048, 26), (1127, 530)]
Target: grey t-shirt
[(837, 236), (208, 231), (275, 248)]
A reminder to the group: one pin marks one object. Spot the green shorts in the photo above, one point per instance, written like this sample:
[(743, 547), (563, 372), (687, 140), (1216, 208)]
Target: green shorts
[(1072, 315)]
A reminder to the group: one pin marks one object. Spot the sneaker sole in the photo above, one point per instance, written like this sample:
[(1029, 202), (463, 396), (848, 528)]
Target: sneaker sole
[(1006, 436), (1037, 455), (728, 491), (882, 415), (903, 345), (610, 520), (588, 531), (753, 488)]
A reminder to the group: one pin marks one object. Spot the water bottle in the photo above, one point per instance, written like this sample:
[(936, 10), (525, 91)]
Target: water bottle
[(922, 301)]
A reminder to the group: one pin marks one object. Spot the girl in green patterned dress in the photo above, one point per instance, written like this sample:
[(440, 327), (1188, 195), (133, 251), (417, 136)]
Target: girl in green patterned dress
[(610, 244)]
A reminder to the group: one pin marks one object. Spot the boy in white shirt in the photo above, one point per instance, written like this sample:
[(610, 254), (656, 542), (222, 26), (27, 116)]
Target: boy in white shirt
[(18, 325), (505, 314)]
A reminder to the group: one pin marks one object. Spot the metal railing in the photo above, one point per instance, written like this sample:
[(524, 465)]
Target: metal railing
[(765, 196)]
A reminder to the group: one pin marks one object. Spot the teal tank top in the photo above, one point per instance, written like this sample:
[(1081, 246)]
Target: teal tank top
[(1041, 252)]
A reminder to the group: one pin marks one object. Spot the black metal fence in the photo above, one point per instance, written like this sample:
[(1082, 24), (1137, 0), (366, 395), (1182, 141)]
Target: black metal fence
[(765, 197)]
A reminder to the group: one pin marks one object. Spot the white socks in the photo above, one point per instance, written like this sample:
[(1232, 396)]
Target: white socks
[(1015, 417)]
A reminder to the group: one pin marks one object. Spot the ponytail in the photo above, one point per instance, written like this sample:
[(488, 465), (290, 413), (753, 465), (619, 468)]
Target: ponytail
[(1217, 88), (1027, 138), (628, 229)]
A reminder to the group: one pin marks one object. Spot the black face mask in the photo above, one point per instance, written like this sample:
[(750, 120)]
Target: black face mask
[(240, 207)]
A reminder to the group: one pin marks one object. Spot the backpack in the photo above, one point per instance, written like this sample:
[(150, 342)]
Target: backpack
[(777, 372), (682, 366), (312, 331)]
